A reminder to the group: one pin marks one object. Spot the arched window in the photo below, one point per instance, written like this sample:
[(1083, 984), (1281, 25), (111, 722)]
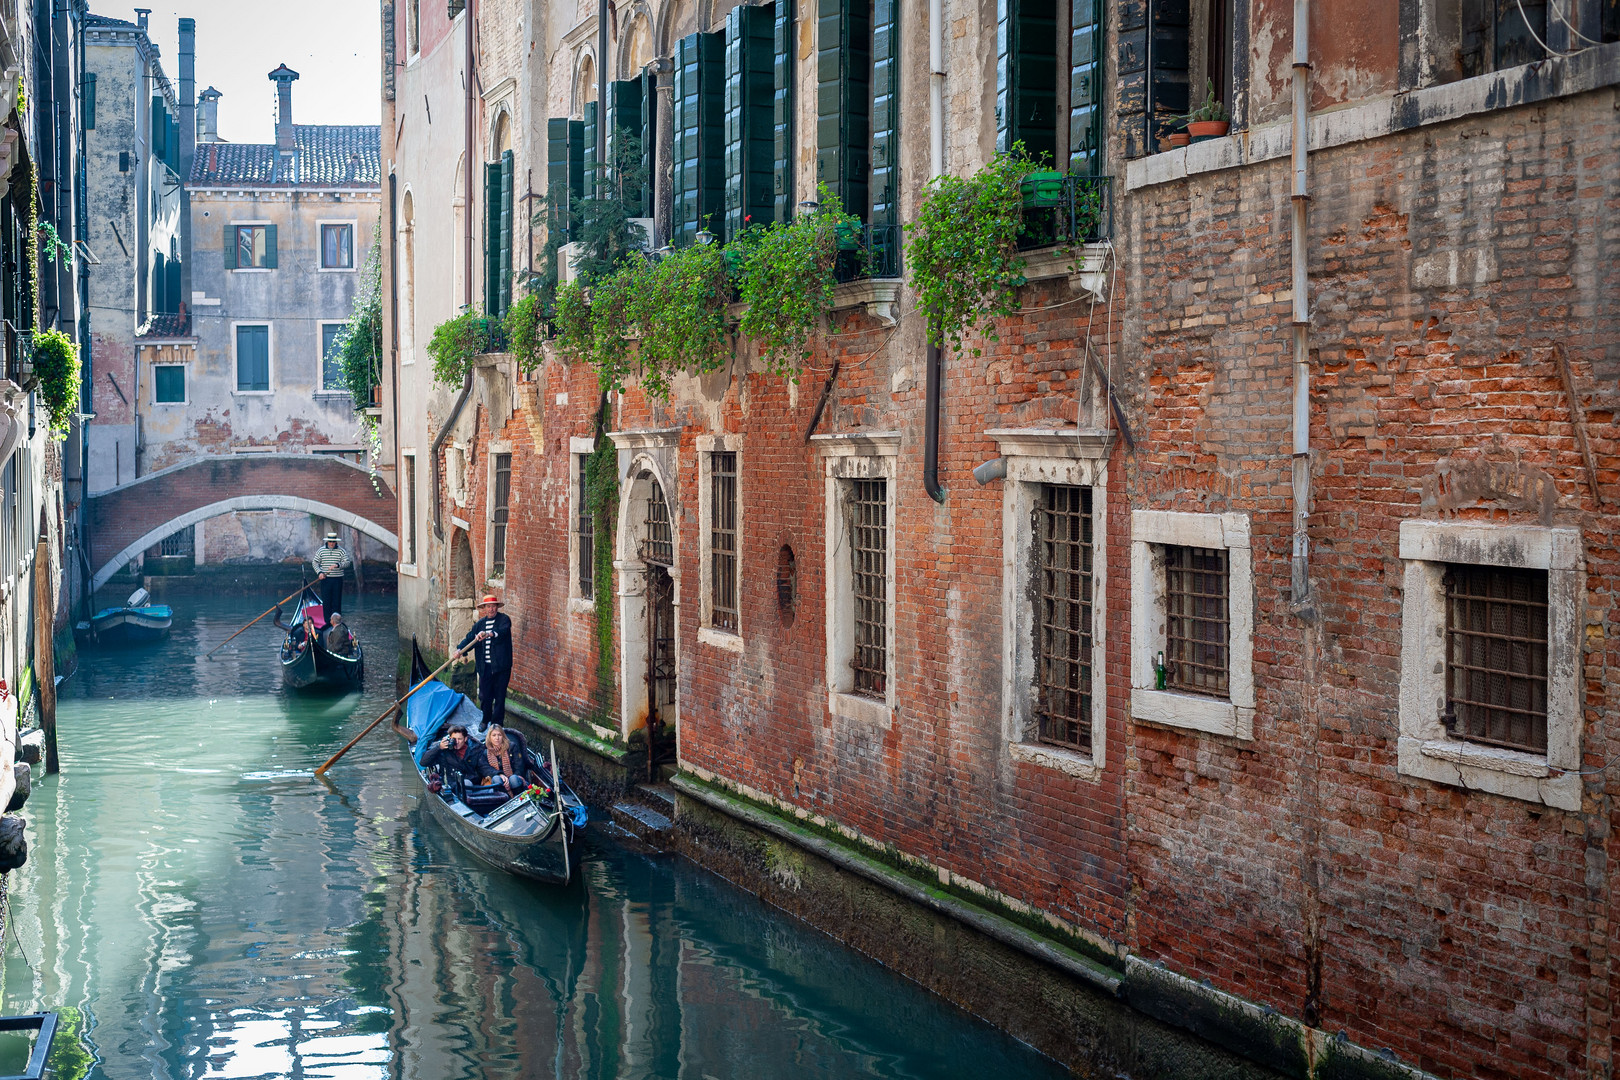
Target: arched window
[(407, 288)]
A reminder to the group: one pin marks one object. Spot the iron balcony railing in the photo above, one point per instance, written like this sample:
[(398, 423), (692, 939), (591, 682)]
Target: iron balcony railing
[(868, 251), (1066, 208)]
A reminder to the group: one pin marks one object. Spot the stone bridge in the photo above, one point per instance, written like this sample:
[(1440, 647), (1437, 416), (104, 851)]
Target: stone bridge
[(126, 520)]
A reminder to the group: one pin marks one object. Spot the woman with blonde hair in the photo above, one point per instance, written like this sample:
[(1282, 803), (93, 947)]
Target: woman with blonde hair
[(508, 758)]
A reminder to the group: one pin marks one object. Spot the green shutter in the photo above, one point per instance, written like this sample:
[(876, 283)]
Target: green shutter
[(1026, 76), (89, 101), (576, 160), (588, 149), (699, 146), (624, 122), (750, 145), (844, 99), (492, 238), (1086, 45), (230, 246), (270, 246), (504, 265), (782, 109), (885, 158), (557, 175), (172, 287), (158, 128), (649, 137)]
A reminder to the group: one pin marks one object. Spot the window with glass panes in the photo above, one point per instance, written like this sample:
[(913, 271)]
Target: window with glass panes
[(337, 247), (1063, 630), (500, 510), (250, 247), (1197, 632), (410, 511), (869, 552), (723, 539), (585, 530), (331, 361), (1496, 656)]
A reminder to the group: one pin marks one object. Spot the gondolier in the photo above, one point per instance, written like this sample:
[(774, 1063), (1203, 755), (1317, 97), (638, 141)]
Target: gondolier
[(491, 638), (330, 562)]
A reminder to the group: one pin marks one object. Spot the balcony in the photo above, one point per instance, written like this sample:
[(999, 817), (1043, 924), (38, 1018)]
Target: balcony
[(1066, 209)]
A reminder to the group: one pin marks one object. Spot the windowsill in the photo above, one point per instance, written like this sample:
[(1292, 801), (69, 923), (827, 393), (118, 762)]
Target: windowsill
[(1084, 266), (581, 605), (170, 404), (879, 296), (496, 582), (335, 269), (1512, 773), (251, 269), (1069, 762), (862, 710), (1193, 711), (408, 569), (253, 393), (720, 639)]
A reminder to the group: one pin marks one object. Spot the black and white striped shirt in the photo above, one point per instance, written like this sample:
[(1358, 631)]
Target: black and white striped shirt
[(332, 561)]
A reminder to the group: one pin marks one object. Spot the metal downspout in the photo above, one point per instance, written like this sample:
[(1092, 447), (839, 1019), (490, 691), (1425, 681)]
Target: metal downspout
[(936, 167), (467, 173), (1302, 601), (393, 309)]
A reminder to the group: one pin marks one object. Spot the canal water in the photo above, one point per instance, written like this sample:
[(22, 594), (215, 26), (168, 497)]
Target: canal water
[(213, 910)]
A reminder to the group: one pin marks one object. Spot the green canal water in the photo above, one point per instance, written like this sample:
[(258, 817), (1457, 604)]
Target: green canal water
[(212, 910)]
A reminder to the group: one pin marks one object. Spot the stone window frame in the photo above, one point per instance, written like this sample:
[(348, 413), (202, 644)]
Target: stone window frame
[(1151, 532), (846, 457), (185, 377), (708, 634), (496, 447), (323, 391), (232, 226), (270, 358), (1426, 750), (1075, 457), (408, 528), (579, 447), (353, 225)]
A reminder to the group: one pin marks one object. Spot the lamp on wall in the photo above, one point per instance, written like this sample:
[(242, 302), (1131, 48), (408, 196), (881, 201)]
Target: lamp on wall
[(705, 237)]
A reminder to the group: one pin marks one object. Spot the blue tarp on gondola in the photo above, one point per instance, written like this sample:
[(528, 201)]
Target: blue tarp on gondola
[(427, 709)]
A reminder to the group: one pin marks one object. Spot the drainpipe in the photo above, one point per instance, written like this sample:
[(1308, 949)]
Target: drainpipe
[(1301, 592), (393, 310), (936, 167), (466, 190)]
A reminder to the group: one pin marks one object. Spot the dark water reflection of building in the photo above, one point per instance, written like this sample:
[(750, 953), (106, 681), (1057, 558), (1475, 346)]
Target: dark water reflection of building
[(216, 912)]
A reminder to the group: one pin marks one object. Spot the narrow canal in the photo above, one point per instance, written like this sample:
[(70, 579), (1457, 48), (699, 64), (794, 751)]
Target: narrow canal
[(215, 911)]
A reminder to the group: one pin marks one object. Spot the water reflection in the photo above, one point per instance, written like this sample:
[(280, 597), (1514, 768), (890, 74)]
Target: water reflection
[(218, 912)]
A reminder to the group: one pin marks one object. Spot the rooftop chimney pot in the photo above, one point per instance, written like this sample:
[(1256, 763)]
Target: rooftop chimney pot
[(140, 16), (283, 77)]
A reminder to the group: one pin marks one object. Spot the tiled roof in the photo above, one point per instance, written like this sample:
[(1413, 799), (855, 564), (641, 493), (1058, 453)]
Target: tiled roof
[(329, 155), (92, 19)]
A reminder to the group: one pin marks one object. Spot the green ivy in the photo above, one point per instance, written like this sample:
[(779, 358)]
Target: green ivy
[(56, 249), (786, 278), (962, 249), (602, 500), (360, 343), (56, 363), (680, 308), (456, 342), (525, 330)]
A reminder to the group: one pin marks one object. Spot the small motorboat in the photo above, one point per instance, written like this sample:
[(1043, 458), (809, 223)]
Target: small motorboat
[(135, 623), (532, 833), (307, 662)]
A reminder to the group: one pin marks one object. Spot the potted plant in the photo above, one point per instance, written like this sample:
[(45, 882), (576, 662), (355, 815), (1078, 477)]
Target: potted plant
[(1178, 138), (1209, 120)]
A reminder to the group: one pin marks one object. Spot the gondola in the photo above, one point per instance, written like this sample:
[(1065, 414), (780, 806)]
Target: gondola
[(531, 834), (134, 623), (309, 663)]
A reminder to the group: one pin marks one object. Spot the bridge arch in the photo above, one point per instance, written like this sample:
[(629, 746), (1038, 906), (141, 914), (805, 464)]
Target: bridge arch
[(126, 520)]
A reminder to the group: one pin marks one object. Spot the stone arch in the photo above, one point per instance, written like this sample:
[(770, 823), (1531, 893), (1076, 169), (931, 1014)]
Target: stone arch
[(636, 43), (463, 580), (500, 139), (407, 260), (679, 18), (645, 469), (584, 88), (243, 502)]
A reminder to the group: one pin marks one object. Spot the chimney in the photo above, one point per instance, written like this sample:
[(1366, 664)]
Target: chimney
[(140, 16), (286, 171), (208, 115)]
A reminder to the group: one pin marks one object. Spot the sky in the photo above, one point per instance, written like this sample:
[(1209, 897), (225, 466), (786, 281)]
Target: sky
[(334, 45)]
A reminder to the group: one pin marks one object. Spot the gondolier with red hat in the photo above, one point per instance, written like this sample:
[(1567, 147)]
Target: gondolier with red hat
[(330, 562), (491, 642)]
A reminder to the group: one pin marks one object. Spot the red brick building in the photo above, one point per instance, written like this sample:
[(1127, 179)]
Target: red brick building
[(1301, 744)]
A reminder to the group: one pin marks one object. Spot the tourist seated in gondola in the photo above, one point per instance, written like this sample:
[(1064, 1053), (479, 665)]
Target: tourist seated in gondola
[(339, 638), (508, 758), (297, 632), (458, 755)]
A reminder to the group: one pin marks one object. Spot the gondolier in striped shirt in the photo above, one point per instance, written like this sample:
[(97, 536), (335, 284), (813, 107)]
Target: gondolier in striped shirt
[(330, 563), (490, 640)]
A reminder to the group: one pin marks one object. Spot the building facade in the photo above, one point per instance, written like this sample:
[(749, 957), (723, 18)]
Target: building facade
[(1267, 671)]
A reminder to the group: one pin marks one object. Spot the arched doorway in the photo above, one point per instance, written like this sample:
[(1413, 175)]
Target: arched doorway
[(647, 544), (657, 553), (463, 587)]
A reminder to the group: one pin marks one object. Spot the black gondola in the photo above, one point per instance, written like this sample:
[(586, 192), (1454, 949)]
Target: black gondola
[(306, 662), (532, 834)]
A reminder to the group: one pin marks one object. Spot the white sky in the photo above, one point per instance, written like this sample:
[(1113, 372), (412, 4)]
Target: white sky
[(334, 45)]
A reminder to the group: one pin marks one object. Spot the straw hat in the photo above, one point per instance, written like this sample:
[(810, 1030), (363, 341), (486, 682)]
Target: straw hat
[(490, 599), (331, 538)]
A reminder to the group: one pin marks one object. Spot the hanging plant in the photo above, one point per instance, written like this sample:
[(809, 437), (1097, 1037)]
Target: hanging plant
[(680, 308), (456, 342), (56, 363), (525, 330), (962, 249), (786, 278), (602, 501), (55, 248)]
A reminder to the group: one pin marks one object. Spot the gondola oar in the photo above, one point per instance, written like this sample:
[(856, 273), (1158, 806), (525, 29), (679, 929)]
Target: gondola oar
[(387, 713), (209, 655)]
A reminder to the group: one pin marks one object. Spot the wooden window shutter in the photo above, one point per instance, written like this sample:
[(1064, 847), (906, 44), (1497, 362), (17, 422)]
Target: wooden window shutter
[(844, 99), (885, 191), (576, 162), (782, 109), (492, 237), (505, 265), (750, 145), (649, 138), (557, 175), (270, 246), (158, 129), (1168, 49), (698, 149), (624, 122), (230, 247), (1087, 42), (1026, 76), (593, 177)]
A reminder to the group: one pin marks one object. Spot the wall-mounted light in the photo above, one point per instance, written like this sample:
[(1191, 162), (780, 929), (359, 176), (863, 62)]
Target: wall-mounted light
[(705, 237)]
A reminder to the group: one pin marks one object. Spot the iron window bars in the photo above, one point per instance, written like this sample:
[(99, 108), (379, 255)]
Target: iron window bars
[(585, 528), (659, 546), (1496, 656), (1064, 633), (869, 552), (723, 539), (499, 514), (1197, 655)]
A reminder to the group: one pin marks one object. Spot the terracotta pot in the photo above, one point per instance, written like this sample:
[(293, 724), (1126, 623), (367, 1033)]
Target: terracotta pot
[(1206, 129), (1180, 138)]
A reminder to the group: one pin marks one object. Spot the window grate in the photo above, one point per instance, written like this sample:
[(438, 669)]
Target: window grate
[(1496, 656), (499, 513), (659, 547), (410, 510), (1197, 621), (585, 528), (723, 539), (179, 543), (869, 548), (1064, 634)]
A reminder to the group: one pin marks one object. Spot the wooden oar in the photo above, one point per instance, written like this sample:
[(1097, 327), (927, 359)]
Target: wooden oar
[(387, 713), (210, 653)]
